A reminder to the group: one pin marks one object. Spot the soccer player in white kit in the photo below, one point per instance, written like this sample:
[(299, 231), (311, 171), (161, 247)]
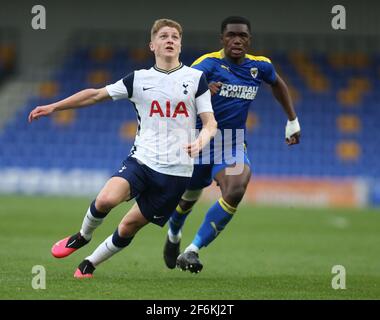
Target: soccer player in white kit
[(167, 99)]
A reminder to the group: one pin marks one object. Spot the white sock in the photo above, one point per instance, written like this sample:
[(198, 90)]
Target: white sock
[(103, 252), (174, 238), (90, 223), (192, 247)]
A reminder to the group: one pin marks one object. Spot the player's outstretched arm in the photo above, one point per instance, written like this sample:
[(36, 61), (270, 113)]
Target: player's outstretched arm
[(209, 127), (80, 99), (281, 93)]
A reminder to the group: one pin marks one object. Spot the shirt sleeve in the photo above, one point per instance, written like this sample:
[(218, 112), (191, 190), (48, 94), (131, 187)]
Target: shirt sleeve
[(202, 86), (205, 66), (203, 102), (121, 89), (269, 74)]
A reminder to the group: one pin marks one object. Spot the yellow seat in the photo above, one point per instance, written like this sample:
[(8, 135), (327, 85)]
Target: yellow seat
[(101, 54), (349, 124), (128, 130), (348, 150), (64, 118), (98, 77), (48, 89)]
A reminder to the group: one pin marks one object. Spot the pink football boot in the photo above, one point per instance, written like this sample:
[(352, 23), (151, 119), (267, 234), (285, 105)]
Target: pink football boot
[(84, 270), (67, 246)]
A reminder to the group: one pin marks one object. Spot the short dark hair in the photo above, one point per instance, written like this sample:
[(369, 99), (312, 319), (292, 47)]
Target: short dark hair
[(235, 20)]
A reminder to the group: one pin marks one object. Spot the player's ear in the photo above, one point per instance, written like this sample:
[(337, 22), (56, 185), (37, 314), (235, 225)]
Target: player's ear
[(151, 46)]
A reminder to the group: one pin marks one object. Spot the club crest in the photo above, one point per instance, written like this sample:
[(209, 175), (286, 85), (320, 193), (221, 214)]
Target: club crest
[(254, 72), (185, 87)]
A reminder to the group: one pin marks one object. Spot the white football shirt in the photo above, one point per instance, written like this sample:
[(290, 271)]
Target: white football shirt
[(167, 104)]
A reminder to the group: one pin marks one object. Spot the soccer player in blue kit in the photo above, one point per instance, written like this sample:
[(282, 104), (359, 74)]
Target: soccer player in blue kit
[(234, 78)]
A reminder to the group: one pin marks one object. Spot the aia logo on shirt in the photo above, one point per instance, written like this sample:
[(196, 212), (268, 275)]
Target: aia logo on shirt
[(180, 109)]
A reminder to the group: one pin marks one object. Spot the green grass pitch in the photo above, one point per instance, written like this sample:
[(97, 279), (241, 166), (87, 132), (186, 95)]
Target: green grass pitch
[(264, 253)]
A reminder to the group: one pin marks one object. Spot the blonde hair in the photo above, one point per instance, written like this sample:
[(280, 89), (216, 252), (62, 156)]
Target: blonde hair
[(160, 23)]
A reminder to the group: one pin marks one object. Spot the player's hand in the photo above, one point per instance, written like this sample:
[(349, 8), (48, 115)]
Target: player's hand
[(40, 112), (214, 87), (292, 132), (294, 139), (193, 149)]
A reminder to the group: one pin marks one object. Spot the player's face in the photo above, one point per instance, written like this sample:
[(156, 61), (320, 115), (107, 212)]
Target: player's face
[(166, 43), (236, 40)]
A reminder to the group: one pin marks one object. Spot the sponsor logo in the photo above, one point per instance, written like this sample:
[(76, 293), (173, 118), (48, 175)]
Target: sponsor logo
[(122, 169), (180, 109), (225, 67), (238, 91)]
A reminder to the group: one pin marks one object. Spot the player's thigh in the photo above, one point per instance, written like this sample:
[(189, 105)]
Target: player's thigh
[(201, 177), (115, 191), (159, 201)]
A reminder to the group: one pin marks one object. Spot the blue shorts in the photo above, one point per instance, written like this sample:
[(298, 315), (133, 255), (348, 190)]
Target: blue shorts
[(204, 174), (156, 194)]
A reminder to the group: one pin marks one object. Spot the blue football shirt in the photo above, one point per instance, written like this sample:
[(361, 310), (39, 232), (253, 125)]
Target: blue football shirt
[(240, 85)]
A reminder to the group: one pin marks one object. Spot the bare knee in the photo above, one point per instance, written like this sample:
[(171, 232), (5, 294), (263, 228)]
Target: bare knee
[(233, 187), (234, 194), (105, 202)]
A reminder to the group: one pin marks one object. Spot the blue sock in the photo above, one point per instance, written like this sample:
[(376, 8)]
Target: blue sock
[(177, 219), (215, 220)]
